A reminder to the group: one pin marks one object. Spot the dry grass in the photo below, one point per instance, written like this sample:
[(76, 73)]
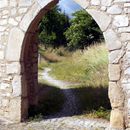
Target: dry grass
[(89, 67)]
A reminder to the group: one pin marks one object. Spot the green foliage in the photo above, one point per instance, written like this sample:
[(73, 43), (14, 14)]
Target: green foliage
[(52, 28), (83, 31), (56, 29)]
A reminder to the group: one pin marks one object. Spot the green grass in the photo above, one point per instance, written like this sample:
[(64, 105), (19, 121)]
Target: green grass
[(88, 68), (100, 113)]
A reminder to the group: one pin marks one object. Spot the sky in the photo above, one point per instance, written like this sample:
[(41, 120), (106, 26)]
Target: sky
[(69, 6)]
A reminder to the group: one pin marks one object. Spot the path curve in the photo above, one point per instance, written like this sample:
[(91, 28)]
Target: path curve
[(59, 83), (70, 106)]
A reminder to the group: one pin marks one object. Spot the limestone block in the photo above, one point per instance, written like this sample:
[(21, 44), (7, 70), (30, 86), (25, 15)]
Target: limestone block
[(12, 22), (7, 94), (117, 119), (121, 21), (19, 18), (2, 28), (4, 86), (25, 2), (114, 72), (83, 3), (113, 56), (103, 8), (14, 46), (17, 86), (5, 12), (3, 3), (112, 41), (1, 102), (124, 29), (116, 95), (128, 103), (95, 2), (13, 11), (128, 46), (4, 17), (126, 60), (3, 21), (22, 10), (1, 46), (13, 3), (121, 1), (43, 3), (116, 56), (127, 10), (28, 18), (125, 37), (125, 80), (126, 4), (15, 109), (1, 55), (13, 68), (102, 19), (1, 112), (4, 39), (115, 9), (5, 102), (127, 71), (106, 2)]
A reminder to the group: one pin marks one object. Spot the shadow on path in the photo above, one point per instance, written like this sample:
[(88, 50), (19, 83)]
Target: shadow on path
[(56, 103)]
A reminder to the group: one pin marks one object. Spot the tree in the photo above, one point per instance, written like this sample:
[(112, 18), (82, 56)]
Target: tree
[(83, 31), (52, 28)]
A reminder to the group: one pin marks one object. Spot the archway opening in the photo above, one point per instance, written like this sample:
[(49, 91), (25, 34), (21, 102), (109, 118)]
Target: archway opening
[(52, 98)]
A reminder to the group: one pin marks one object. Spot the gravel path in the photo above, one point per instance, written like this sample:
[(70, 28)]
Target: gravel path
[(66, 123)]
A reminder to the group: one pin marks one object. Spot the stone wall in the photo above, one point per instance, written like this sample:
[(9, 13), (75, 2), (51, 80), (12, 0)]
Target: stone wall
[(18, 54)]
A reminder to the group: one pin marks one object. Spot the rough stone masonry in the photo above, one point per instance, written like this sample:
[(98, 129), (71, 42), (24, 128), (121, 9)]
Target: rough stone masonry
[(19, 54)]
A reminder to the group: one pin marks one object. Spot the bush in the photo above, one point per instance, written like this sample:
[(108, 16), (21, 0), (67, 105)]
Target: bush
[(83, 31)]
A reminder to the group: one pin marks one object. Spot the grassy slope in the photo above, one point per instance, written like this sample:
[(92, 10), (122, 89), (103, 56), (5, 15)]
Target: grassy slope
[(88, 68)]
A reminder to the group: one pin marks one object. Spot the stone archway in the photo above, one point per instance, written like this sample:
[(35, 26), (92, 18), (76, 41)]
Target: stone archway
[(18, 23)]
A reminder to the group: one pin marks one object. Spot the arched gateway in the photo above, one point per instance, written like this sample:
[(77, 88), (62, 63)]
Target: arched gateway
[(19, 53)]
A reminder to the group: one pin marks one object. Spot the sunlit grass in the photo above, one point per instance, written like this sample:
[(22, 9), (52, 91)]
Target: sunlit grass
[(89, 67)]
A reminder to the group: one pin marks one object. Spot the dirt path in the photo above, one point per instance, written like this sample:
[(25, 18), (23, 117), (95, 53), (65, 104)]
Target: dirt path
[(70, 107), (55, 82)]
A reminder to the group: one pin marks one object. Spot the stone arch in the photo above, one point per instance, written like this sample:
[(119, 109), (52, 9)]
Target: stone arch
[(113, 20)]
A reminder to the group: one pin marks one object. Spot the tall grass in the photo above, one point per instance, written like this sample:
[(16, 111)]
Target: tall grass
[(88, 67)]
